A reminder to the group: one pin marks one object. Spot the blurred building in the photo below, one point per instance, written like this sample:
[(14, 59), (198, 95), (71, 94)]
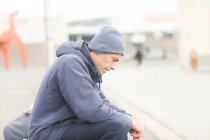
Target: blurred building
[(184, 30), (158, 31), (156, 23)]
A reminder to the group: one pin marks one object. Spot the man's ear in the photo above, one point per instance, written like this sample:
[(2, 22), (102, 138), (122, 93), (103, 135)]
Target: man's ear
[(94, 54)]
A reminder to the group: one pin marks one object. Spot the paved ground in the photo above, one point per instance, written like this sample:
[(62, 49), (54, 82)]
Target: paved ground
[(172, 103)]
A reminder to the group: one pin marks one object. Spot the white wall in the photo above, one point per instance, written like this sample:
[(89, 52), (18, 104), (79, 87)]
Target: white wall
[(194, 29)]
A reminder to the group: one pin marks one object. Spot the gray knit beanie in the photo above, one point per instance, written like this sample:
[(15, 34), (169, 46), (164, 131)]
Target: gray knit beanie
[(108, 40)]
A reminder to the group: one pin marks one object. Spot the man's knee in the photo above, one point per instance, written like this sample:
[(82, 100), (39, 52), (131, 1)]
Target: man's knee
[(115, 130), (116, 125)]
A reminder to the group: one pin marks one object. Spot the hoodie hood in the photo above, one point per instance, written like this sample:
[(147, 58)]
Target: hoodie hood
[(69, 48), (80, 49)]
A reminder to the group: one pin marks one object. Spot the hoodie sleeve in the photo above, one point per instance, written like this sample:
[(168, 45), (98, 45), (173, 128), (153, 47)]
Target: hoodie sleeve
[(112, 105), (78, 91)]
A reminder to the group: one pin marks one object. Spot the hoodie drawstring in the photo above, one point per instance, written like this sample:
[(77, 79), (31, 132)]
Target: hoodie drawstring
[(99, 86)]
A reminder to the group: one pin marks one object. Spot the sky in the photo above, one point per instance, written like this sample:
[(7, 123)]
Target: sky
[(84, 9)]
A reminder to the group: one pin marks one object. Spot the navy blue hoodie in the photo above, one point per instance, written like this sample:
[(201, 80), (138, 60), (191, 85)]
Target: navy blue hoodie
[(70, 93)]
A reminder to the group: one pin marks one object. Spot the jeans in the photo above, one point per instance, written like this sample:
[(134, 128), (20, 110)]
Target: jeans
[(106, 130)]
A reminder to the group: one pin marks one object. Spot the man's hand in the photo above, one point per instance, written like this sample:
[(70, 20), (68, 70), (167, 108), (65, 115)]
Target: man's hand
[(137, 130)]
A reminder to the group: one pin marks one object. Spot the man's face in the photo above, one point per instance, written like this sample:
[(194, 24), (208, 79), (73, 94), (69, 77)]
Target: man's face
[(105, 62)]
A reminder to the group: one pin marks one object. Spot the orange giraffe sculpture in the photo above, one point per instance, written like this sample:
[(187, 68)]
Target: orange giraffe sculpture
[(9, 37)]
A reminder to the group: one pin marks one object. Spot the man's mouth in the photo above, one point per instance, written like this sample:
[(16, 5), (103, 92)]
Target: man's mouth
[(107, 69)]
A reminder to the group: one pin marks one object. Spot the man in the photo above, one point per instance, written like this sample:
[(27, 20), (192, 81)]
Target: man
[(70, 104)]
